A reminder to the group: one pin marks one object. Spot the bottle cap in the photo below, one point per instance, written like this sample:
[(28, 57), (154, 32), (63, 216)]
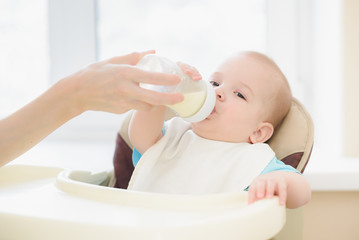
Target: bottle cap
[(207, 106)]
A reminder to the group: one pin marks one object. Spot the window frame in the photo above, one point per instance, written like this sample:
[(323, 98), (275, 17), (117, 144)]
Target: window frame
[(313, 28), (66, 19), (71, 51)]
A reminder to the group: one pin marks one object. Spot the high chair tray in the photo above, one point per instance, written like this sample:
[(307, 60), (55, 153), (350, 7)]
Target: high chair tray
[(52, 203)]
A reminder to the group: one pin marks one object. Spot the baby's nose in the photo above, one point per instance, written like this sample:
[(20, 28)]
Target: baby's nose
[(220, 96)]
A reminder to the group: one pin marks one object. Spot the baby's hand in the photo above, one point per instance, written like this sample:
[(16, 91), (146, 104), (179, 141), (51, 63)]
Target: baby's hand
[(191, 71), (267, 186)]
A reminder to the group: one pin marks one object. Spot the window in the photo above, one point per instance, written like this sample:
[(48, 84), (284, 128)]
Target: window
[(200, 33), (303, 37), (196, 32), (24, 52)]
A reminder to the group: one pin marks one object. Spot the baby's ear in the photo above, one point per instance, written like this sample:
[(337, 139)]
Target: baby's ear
[(262, 134)]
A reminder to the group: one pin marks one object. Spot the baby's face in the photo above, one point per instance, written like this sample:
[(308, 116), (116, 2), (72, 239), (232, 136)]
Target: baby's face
[(242, 87)]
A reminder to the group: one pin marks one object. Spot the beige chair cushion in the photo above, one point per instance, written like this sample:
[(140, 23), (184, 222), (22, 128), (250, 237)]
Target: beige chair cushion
[(294, 136)]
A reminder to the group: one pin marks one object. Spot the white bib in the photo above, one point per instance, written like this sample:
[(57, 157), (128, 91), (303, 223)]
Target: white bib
[(184, 163)]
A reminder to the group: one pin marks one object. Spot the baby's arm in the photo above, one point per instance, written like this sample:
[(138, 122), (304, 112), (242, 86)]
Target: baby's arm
[(291, 188), (145, 128)]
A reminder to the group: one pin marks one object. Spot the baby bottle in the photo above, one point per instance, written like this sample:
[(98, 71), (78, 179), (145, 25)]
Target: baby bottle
[(199, 96)]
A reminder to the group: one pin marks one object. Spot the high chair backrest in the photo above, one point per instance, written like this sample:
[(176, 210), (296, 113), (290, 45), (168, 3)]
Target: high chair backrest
[(292, 142), (293, 138)]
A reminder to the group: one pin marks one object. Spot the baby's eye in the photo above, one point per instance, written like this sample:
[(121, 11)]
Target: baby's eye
[(240, 95), (214, 83)]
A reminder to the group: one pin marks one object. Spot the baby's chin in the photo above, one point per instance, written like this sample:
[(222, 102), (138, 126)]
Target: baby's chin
[(207, 128), (204, 122), (206, 136), (200, 130), (199, 127), (211, 134)]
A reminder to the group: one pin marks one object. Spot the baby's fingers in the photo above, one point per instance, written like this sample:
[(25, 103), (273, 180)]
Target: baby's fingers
[(270, 188), (282, 193), (261, 190), (251, 195), (256, 191), (189, 70)]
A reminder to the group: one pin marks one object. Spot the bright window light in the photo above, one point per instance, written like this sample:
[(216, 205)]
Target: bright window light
[(24, 52), (201, 33)]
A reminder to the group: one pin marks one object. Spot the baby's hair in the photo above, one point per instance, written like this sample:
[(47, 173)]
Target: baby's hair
[(281, 102)]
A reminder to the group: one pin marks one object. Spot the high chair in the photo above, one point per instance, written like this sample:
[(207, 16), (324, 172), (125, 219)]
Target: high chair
[(53, 203), (292, 142)]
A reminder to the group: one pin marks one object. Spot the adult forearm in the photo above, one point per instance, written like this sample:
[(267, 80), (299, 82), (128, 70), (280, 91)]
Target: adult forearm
[(32, 123)]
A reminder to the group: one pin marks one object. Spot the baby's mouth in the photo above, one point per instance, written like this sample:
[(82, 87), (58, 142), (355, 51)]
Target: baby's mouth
[(211, 114), (213, 111)]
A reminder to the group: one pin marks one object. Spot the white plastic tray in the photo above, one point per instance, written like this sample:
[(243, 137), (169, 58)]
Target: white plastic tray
[(51, 203)]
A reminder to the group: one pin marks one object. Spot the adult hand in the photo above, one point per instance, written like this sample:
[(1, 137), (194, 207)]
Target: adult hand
[(113, 86)]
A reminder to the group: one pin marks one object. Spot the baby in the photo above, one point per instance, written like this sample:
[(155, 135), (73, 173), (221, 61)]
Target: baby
[(226, 151)]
